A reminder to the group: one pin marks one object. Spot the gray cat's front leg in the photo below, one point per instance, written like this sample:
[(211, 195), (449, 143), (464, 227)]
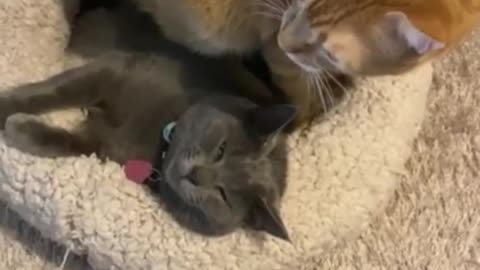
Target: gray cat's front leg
[(76, 87), (28, 134), (7, 108), (249, 85)]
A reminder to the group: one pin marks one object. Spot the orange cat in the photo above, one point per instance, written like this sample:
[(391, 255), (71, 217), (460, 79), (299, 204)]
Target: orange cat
[(373, 36), (305, 41)]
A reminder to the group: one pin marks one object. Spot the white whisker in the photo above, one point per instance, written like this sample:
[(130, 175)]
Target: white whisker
[(267, 6), (328, 90), (270, 8), (285, 4), (319, 91), (268, 15), (342, 87), (238, 22), (277, 4), (308, 79)]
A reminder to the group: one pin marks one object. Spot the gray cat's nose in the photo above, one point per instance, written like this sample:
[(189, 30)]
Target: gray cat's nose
[(201, 176), (192, 181), (192, 177)]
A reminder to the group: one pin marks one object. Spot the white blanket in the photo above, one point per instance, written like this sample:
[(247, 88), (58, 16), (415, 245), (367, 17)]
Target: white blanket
[(341, 172)]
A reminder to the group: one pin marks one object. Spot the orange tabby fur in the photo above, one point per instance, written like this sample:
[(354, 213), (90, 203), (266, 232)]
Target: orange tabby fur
[(446, 20), (341, 27)]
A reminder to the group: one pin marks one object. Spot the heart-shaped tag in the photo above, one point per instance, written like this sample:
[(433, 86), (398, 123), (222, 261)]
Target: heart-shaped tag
[(138, 171)]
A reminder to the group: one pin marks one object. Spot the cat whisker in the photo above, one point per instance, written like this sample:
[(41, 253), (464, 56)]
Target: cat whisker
[(310, 87), (319, 91), (328, 89), (328, 77), (328, 92), (320, 88), (267, 7), (306, 78), (268, 15), (275, 5), (335, 80), (284, 4), (319, 95), (315, 93), (239, 24)]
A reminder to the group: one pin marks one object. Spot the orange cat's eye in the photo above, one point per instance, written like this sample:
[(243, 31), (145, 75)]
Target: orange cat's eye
[(322, 37)]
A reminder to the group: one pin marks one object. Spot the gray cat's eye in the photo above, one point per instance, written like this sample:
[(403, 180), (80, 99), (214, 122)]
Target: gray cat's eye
[(168, 131), (223, 194), (220, 151)]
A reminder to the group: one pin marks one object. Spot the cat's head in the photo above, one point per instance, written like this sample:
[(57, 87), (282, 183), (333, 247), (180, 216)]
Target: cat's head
[(361, 37), (226, 166)]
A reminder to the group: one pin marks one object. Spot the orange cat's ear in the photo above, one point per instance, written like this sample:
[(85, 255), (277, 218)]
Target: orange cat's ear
[(398, 26)]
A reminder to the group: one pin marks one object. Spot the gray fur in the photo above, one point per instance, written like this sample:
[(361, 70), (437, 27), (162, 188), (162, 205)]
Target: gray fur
[(130, 98), (132, 94)]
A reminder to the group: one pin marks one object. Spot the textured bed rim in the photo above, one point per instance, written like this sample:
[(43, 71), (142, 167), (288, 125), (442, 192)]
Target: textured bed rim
[(341, 173)]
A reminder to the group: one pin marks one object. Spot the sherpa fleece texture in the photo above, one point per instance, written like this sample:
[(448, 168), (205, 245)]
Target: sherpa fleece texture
[(341, 172)]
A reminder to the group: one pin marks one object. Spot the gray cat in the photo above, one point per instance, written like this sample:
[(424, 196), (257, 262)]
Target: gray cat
[(220, 158), (221, 166)]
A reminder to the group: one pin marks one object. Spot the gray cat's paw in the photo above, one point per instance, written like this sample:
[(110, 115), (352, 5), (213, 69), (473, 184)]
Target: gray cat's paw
[(21, 132), (6, 108)]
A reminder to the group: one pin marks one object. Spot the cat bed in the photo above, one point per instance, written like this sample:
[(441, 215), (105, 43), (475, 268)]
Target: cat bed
[(341, 172)]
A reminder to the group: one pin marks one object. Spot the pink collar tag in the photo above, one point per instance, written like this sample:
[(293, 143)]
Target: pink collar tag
[(138, 171)]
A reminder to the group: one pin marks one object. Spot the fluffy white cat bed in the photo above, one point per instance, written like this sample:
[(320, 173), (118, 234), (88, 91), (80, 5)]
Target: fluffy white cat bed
[(341, 172)]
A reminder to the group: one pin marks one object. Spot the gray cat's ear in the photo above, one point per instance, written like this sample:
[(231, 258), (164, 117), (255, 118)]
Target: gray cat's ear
[(401, 30), (265, 217), (268, 121)]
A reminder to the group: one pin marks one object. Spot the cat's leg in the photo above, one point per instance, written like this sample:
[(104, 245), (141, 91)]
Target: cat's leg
[(27, 133), (76, 87)]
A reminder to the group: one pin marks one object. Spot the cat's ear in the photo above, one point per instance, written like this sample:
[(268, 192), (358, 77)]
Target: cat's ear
[(265, 217), (401, 29), (270, 120)]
